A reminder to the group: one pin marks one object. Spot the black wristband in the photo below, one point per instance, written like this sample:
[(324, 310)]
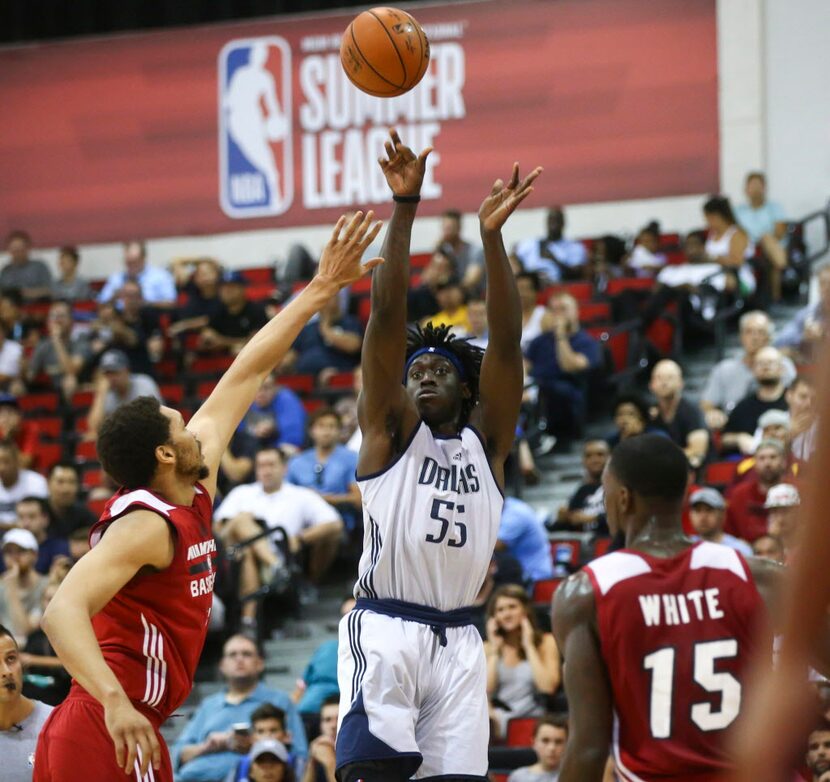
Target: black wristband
[(406, 199)]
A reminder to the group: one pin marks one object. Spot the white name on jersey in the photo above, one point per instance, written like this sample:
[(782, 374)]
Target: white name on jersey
[(681, 609)]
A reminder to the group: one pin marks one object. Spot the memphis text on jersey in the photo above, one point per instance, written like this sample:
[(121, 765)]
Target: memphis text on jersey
[(204, 584)]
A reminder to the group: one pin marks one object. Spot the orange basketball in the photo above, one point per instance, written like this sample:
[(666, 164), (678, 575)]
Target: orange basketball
[(384, 52)]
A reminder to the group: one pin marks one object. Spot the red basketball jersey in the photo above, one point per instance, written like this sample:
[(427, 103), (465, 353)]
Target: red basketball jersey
[(152, 632), (677, 636)]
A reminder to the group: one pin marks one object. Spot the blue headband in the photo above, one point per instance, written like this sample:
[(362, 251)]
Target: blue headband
[(444, 353)]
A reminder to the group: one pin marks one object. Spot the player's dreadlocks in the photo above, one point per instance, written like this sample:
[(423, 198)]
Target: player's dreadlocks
[(468, 356)]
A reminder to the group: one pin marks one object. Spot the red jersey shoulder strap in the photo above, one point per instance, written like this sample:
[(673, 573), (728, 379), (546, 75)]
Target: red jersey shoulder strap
[(123, 503), (718, 557), (608, 571)]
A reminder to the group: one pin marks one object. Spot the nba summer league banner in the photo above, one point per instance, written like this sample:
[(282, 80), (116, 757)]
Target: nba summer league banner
[(254, 125)]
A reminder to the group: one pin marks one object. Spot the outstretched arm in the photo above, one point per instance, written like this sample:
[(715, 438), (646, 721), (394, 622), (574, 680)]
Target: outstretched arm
[(218, 418), (385, 412), (586, 682), (502, 374)]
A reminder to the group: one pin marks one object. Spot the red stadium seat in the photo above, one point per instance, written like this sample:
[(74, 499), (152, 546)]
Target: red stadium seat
[(615, 287), (93, 478), (167, 369), (259, 275), (97, 506), (595, 312), (364, 309), (260, 292), (543, 590), (362, 286), (495, 777), (85, 306), (50, 427), (47, 402), (211, 365), (172, 393), (82, 400), (617, 342), (419, 260), (301, 384), (720, 473), (341, 380), (662, 334), (86, 451), (48, 454), (312, 405), (520, 731), (205, 389), (601, 546)]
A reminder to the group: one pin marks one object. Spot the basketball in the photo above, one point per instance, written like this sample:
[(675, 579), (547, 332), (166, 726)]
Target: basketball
[(384, 52)]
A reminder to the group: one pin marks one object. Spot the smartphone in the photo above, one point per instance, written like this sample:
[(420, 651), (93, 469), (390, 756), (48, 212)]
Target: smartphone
[(241, 729)]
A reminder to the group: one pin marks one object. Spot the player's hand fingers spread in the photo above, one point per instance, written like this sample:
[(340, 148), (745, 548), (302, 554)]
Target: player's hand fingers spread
[(130, 743), (422, 158), (370, 237), (353, 227), (390, 150), (360, 230), (514, 178), (338, 227), (530, 178)]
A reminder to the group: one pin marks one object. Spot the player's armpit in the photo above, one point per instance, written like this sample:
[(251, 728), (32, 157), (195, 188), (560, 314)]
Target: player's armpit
[(586, 682)]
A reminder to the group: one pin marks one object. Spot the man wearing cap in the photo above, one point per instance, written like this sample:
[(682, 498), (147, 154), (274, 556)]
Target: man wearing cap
[(16, 483), (21, 718), (772, 425), (707, 511), (116, 386), (746, 516), (237, 319), (21, 586), (783, 501), (269, 762)]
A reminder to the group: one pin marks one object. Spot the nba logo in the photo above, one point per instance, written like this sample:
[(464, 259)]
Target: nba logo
[(255, 161)]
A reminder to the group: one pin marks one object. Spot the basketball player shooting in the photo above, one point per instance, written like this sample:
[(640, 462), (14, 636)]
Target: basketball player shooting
[(129, 621), (659, 638), (438, 421)]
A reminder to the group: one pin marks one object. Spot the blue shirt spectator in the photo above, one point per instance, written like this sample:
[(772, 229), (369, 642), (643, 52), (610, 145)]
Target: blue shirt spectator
[(524, 537), (553, 257), (331, 342), (328, 467), (809, 325), (759, 220), (276, 417), (542, 354), (157, 285), (320, 677), (204, 751)]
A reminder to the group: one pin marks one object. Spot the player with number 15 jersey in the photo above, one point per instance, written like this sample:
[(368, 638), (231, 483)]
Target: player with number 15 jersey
[(658, 637)]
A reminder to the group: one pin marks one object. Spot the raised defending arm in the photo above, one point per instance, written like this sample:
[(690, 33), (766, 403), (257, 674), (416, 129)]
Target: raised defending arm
[(501, 370), (385, 411)]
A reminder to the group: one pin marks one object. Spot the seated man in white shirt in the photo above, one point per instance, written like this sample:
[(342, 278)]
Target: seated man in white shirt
[(554, 257), (16, 483), (308, 520)]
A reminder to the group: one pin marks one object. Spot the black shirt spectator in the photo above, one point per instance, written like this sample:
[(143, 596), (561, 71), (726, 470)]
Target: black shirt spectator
[(585, 511), (202, 302), (66, 513), (237, 319), (144, 343), (421, 300)]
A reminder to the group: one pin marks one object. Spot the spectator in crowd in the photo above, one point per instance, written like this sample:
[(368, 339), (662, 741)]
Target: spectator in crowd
[(328, 344), (421, 300), (237, 319), (631, 417), (29, 276), (645, 259), (157, 285), (307, 519), (21, 586), (801, 403), (728, 245), (59, 355), (479, 333), (733, 378), (772, 425), (116, 385), (269, 762), (11, 358), (276, 418), (20, 717), (559, 359), (768, 547), (707, 511), (201, 289), (14, 429), (521, 661), (16, 483), (605, 261), (319, 680), (818, 753), (322, 761), (32, 515), (12, 320), (529, 286), (469, 260), (549, 739), (782, 503), (679, 418), (141, 339), (69, 286), (746, 516), (328, 467), (555, 258), (452, 308), (585, 511), (739, 432), (208, 748), (523, 536), (763, 221), (346, 406), (66, 512), (802, 336), (267, 724), (78, 543)]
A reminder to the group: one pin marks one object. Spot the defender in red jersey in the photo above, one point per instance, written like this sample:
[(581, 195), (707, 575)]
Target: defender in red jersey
[(657, 638), (129, 621)]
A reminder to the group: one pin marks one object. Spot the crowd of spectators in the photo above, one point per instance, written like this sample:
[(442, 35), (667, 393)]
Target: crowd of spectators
[(72, 350)]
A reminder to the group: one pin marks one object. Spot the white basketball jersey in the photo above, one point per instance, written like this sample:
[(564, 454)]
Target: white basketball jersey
[(431, 520)]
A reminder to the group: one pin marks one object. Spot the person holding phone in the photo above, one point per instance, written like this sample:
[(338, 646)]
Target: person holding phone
[(522, 662)]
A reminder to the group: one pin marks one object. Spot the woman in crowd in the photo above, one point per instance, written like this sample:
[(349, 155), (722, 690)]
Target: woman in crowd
[(523, 664)]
